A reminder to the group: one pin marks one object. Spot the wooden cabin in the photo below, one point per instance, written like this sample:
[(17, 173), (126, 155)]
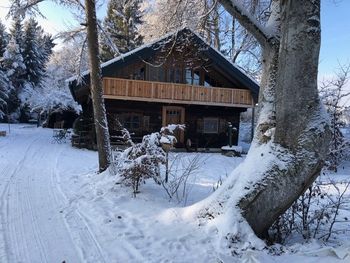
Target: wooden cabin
[(178, 79)]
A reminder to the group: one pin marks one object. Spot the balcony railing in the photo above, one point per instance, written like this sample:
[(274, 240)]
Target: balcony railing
[(139, 90)]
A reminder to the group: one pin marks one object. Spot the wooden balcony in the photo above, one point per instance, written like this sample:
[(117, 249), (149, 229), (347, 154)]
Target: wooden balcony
[(139, 90)]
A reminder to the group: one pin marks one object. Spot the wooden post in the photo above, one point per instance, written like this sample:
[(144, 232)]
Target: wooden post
[(172, 91), (164, 116), (166, 166), (253, 123), (152, 90)]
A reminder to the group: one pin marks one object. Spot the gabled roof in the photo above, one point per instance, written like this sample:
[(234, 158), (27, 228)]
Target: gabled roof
[(144, 51)]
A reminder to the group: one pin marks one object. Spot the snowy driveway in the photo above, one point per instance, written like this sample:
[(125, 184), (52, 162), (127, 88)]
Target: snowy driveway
[(54, 209), (34, 225)]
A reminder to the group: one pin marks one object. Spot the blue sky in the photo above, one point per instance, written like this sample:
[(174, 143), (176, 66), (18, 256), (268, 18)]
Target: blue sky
[(335, 21), (335, 43)]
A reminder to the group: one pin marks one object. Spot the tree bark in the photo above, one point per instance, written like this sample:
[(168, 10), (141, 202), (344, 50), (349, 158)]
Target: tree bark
[(101, 126), (291, 117)]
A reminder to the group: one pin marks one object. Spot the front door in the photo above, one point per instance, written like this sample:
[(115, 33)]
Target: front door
[(174, 115)]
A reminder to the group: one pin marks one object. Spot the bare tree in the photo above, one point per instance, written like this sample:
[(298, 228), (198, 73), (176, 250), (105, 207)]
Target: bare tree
[(292, 125), (334, 95)]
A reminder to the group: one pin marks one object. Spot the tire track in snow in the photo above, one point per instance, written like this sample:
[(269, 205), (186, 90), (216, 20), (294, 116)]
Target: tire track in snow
[(34, 229), (4, 208), (86, 239)]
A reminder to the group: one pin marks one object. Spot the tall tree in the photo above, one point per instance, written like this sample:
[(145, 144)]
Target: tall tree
[(37, 48), (4, 86), (4, 38), (292, 134), (14, 68), (4, 91), (101, 125), (121, 26)]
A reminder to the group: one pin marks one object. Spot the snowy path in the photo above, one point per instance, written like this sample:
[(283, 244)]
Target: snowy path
[(34, 225), (54, 209)]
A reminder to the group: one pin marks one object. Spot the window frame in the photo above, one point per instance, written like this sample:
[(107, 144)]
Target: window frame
[(205, 125)]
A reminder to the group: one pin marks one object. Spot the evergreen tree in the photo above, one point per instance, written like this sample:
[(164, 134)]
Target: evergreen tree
[(37, 49), (4, 91), (4, 87), (14, 69), (16, 31), (13, 62), (3, 39), (121, 27), (31, 53)]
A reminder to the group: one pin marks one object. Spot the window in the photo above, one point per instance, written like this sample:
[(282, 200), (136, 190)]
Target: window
[(210, 125), (188, 75), (146, 120), (132, 122), (196, 78), (174, 75), (156, 74), (208, 82), (192, 77)]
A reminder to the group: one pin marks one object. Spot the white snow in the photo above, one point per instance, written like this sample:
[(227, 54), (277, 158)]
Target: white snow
[(55, 208), (232, 148)]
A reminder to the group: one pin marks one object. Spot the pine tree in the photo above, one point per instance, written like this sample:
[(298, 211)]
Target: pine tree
[(16, 31), (31, 53), (4, 87), (13, 61), (3, 39), (37, 49), (14, 69), (121, 27), (4, 92)]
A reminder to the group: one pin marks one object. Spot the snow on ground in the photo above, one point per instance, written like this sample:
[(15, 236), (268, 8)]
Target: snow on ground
[(55, 208)]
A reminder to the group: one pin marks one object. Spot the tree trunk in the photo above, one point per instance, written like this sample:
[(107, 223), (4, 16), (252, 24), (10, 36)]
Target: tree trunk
[(301, 125), (101, 126), (292, 126)]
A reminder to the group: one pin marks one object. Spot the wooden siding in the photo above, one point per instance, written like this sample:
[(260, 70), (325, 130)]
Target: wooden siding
[(139, 90)]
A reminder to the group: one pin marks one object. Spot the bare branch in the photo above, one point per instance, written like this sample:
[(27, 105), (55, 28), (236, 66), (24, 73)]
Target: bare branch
[(248, 22)]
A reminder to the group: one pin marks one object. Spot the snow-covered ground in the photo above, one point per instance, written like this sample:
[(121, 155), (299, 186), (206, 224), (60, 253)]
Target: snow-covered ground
[(55, 208)]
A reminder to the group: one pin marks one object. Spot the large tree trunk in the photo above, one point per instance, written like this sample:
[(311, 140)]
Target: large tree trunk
[(292, 129), (101, 126)]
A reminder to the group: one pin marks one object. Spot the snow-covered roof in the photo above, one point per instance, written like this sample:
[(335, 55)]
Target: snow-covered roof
[(222, 61), (123, 56)]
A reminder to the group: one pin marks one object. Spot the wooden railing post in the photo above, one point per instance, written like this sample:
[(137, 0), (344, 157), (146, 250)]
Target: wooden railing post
[(172, 91), (152, 90), (127, 88)]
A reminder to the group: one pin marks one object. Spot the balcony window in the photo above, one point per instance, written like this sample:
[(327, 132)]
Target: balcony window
[(192, 77), (156, 74), (196, 78), (188, 75), (174, 75)]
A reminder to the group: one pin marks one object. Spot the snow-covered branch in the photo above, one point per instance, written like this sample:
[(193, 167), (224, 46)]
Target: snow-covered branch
[(260, 32)]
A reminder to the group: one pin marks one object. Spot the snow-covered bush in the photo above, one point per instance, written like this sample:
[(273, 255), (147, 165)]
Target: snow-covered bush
[(142, 160)]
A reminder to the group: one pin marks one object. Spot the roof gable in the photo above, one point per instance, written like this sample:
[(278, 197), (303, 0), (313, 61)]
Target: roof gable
[(147, 50)]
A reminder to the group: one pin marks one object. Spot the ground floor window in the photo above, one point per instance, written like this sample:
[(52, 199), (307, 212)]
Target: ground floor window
[(132, 122), (210, 125)]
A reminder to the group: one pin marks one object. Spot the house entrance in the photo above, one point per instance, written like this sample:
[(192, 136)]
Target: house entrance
[(174, 115)]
